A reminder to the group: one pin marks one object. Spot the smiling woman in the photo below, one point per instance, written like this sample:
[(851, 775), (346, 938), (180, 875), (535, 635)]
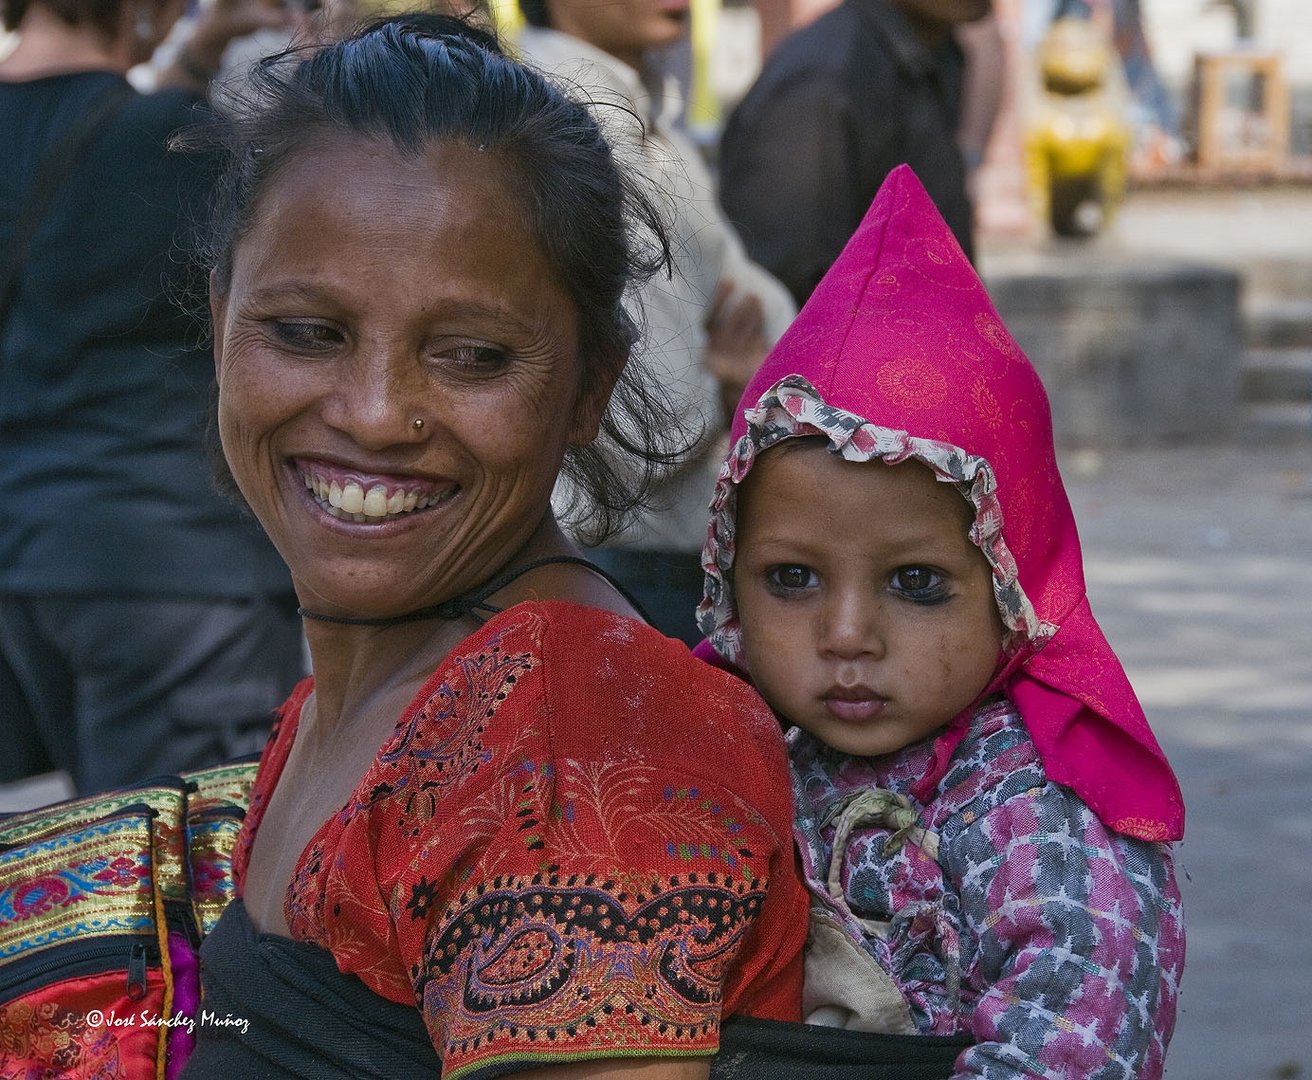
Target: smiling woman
[(505, 827), (379, 288)]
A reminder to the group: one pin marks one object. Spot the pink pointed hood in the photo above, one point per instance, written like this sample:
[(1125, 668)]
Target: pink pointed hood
[(900, 354)]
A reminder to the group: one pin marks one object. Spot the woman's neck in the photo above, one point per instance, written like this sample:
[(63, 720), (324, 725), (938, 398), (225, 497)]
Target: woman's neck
[(49, 46), (357, 664), (356, 668)]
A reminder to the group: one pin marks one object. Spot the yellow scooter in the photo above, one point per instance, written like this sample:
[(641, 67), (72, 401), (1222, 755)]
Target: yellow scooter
[(1077, 140)]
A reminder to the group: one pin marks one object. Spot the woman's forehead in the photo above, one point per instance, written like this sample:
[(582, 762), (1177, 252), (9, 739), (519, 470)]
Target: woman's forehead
[(331, 198), (348, 162), (365, 230)]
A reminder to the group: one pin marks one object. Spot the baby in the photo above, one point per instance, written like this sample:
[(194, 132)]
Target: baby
[(983, 814)]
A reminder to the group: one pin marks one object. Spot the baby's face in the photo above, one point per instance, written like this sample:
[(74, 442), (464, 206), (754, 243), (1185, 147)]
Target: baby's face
[(867, 614)]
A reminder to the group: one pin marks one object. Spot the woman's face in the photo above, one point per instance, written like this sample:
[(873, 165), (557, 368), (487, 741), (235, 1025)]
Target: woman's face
[(373, 291)]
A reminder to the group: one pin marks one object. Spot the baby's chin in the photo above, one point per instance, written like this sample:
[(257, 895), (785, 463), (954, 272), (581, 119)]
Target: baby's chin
[(867, 739)]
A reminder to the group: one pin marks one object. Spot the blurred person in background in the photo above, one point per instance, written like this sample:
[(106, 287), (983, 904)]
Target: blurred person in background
[(840, 103), (983, 83), (705, 328), (146, 624)]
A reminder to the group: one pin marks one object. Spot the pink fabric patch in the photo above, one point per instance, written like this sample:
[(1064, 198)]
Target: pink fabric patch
[(186, 1002)]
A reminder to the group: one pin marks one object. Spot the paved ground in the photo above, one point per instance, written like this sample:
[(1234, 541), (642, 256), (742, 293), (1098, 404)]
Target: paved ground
[(1199, 568), (1234, 226)]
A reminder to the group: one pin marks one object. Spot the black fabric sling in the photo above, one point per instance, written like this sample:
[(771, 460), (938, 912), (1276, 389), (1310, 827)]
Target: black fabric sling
[(752, 1049), (276, 1009)]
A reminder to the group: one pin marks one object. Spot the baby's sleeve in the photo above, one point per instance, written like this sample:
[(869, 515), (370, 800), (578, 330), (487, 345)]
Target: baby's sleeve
[(1081, 939), (632, 882)]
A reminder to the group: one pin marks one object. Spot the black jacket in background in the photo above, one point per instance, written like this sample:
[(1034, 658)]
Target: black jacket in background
[(839, 104), (104, 378)]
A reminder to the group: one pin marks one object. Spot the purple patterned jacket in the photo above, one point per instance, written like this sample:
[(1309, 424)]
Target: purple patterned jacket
[(1056, 943)]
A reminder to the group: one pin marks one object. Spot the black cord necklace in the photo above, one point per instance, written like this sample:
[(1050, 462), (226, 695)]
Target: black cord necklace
[(474, 600)]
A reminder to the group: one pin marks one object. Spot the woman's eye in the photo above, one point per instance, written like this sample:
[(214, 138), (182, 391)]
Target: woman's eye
[(305, 334), (475, 358), (792, 577), (919, 583)]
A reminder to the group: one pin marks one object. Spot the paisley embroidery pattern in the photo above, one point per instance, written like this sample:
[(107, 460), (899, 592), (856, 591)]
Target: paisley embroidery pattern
[(551, 957)]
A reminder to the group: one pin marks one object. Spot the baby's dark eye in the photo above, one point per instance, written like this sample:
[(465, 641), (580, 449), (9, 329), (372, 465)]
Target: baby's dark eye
[(914, 578), (792, 576), (919, 583)]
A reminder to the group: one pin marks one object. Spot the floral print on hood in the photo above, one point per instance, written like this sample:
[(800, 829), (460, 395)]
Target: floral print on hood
[(900, 354)]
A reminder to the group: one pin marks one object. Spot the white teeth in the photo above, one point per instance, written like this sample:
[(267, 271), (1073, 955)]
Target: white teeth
[(351, 502), (375, 502)]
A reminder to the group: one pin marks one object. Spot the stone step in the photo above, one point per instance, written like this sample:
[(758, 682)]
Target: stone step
[(1132, 351), (1282, 424), (1276, 375), (1276, 279), (1278, 323)]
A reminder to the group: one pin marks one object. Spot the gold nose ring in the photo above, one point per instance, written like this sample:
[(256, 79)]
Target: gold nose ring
[(418, 425)]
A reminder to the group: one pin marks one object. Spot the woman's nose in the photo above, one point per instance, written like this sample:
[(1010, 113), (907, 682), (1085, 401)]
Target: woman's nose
[(379, 400), (853, 625)]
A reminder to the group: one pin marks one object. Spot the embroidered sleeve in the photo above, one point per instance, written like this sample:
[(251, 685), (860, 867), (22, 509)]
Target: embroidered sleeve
[(599, 952), (1080, 936), (610, 901)]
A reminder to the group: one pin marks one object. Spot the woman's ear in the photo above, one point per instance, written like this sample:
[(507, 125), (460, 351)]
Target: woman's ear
[(591, 406), (218, 312)]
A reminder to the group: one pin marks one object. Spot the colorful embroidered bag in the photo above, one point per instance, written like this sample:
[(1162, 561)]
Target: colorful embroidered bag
[(104, 901)]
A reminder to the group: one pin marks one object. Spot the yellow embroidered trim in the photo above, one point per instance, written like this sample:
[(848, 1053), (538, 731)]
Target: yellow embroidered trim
[(168, 842), (94, 879)]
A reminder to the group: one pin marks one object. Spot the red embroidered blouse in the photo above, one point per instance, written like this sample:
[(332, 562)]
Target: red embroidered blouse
[(577, 843)]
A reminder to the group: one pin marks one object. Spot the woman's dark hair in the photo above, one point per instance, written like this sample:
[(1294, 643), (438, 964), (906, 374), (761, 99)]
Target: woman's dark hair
[(418, 79)]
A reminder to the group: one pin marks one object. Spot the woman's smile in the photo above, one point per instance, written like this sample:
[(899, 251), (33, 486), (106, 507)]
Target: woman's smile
[(370, 498)]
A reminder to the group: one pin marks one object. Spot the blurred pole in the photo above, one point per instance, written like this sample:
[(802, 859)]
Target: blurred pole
[(703, 103), (1002, 213), (506, 17)]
